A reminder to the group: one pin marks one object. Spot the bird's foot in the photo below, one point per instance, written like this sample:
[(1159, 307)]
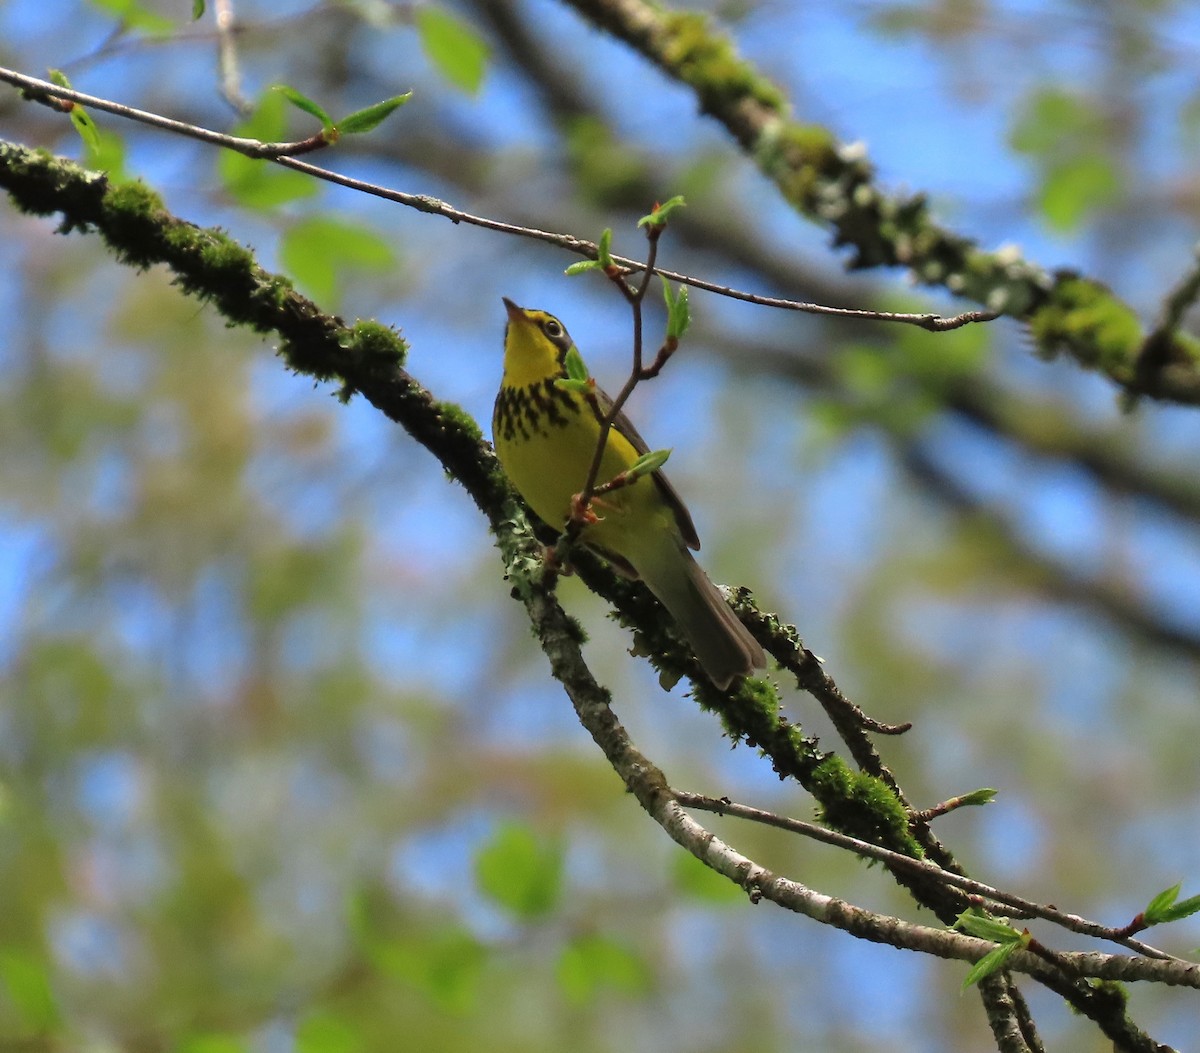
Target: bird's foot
[(582, 512)]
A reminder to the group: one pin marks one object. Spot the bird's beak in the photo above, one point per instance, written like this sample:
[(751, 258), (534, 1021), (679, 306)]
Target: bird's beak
[(515, 314)]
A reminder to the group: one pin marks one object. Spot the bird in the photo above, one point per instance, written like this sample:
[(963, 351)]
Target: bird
[(546, 434)]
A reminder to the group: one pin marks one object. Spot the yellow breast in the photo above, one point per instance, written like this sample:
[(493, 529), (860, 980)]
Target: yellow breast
[(546, 436)]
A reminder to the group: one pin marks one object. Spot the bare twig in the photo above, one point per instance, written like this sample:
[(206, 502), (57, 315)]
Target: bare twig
[(44, 91), (952, 804), (284, 154), (1027, 908), (634, 296), (1156, 348), (227, 57)]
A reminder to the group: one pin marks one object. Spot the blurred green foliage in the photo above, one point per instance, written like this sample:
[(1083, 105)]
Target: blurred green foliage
[(455, 50), (1064, 135)]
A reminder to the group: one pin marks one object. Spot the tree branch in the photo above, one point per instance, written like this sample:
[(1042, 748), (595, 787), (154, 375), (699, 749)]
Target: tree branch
[(833, 184), (991, 899), (284, 154)]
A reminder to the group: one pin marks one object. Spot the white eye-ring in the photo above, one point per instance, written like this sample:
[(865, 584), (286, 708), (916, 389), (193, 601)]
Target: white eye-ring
[(552, 328)]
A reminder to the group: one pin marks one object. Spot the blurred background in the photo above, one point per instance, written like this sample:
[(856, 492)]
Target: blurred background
[(281, 766)]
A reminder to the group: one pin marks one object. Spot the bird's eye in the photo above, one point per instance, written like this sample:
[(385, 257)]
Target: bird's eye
[(552, 327)]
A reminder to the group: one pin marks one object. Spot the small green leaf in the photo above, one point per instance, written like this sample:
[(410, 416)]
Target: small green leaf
[(604, 248), (197, 10), (668, 294), (990, 963), (367, 119), (591, 963), (681, 317), (661, 213), (576, 367), (1162, 902), (580, 386), (1068, 137), (678, 315), (1053, 122), (648, 463), (519, 872), (581, 266), (981, 796), (80, 118), (86, 127), (1164, 908), (974, 922), (303, 102), (457, 52), (1184, 909)]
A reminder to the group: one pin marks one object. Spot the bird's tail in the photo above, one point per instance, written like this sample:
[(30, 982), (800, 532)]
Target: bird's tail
[(723, 645)]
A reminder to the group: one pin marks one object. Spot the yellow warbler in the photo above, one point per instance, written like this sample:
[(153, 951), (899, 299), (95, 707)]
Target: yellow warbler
[(546, 436)]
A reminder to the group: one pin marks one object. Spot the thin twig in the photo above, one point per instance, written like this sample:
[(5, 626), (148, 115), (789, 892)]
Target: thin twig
[(1183, 296), (634, 296), (1156, 348), (1028, 908), (283, 154), (926, 815), (44, 91), (227, 58)]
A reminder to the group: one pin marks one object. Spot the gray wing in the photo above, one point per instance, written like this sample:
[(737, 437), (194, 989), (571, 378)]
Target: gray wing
[(625, 426)]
